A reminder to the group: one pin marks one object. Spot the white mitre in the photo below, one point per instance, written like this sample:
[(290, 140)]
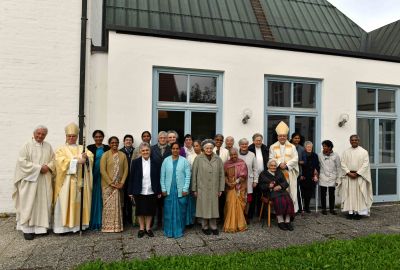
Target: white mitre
[(282, 128)]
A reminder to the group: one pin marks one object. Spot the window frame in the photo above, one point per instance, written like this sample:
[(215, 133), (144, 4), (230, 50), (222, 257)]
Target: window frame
[(376, 116), (186, 107), (292, 111)]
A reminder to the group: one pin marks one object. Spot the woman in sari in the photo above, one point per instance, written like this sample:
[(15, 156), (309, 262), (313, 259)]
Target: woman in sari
[(273, 186), (175, 181), (236, 193), (114, 170), (97, 149)]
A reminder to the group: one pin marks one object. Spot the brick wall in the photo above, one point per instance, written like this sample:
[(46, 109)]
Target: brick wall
[(39, 76)]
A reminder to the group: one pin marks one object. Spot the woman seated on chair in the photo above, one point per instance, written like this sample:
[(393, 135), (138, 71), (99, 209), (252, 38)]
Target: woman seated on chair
[(273, 187)]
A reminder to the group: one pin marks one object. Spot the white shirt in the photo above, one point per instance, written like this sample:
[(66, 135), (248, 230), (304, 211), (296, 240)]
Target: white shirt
[(146, 182), (260, 160)]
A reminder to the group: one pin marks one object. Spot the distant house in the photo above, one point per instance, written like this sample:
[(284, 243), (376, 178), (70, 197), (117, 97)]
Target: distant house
[(198, 66)]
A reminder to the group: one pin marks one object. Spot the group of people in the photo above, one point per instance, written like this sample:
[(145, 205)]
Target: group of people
[(170, 186)]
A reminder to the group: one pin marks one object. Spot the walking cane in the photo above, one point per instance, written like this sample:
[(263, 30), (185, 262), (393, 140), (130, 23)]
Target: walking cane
[(316, 198), (83, 181), (301, 199)]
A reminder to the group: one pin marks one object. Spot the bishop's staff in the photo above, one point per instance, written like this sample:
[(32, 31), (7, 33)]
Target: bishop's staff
[(82, 186)]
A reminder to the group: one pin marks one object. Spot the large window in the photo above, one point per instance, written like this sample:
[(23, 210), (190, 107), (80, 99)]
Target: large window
[(294, 101), (187, 102), (376, 126)]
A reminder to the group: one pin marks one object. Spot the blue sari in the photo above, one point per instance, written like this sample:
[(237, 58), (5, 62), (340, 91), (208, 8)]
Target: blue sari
[(174, 210), (97, 200)]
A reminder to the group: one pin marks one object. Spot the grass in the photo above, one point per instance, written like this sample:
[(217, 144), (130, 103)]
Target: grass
[(371, 252)]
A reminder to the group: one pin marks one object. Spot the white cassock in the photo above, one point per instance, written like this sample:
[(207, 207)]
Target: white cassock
[(356, 194), (33, 191), (287, 153)]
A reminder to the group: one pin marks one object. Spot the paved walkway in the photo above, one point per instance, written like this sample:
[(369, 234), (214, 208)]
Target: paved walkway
[(64, 252)]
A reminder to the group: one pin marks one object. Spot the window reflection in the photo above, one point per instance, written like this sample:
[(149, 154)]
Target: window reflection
[(279, 94), (172, 87), (203, 89), (366, 99)]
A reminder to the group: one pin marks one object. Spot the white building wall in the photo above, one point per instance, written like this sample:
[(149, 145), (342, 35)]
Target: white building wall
[(131, 60), (39, 76)]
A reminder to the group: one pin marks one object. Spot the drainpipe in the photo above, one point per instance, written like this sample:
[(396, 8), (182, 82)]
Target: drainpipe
[(82, 74)]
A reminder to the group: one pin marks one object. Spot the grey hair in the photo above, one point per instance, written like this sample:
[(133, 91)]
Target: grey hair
[(257, 135), (162, 133), (243, 140), (206, 142), (143, 145), (173, 131), (233, 150), (41, 127), (308, 143), (230, 137), (270, 161)]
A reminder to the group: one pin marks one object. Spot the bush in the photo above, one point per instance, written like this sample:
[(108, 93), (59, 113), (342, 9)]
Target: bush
[(372, 252)]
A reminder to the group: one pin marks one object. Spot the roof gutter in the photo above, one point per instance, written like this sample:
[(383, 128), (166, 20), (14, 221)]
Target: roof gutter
[(249, 43), (82, 75)]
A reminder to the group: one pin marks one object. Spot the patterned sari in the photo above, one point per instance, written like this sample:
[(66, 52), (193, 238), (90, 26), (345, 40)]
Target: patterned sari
[(236, 195), (112, 213)]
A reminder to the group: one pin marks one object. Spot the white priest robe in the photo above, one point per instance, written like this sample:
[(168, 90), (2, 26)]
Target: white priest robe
[(67, 190), (356, 194), (33, 190), (287, 153)]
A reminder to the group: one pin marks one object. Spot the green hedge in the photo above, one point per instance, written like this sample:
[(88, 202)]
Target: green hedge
[(372, 252)]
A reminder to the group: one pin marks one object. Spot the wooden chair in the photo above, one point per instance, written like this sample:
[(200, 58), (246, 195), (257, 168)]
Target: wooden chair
[(268, 203)]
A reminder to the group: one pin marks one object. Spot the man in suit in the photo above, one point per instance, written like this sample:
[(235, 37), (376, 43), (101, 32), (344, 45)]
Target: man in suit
[(159, 152)]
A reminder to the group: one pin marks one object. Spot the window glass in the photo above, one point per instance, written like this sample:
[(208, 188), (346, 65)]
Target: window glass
[(203, 125), (373, 176), (386, 101), (203, 89), (366, 131), (387, 144), (366, 99), (306, 127), (172, 120), (279, 94), (172, 87), (304, 95), (387, 181)]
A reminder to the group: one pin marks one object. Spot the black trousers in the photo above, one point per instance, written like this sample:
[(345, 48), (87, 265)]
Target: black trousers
[(255, 205), (127, 209), (221, 207), (299, 196), (331, 198)]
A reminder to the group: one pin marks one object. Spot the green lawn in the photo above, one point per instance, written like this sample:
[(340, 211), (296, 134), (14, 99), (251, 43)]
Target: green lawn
[(372, 252)]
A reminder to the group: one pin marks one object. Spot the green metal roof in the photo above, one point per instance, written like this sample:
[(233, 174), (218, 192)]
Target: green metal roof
[(386, 40), (306, 23)]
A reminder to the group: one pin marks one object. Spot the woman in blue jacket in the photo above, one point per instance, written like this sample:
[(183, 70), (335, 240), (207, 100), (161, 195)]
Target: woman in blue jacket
[(175, 181)]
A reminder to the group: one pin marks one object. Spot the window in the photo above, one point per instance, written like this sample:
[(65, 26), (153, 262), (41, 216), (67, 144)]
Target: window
[(376, 126), (187, 102), (293, 101)]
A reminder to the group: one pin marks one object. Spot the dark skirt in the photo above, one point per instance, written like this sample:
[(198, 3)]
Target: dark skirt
[(283, 205), (146, 205)]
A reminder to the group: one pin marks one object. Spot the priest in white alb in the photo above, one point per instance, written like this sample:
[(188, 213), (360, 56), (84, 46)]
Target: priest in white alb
[(285, 154), (70, 160), (33, 189), (355, 187)]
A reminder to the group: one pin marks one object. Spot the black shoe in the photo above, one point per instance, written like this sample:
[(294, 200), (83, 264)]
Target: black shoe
[(282, 226), (308, 211), (350, 216), (215, 232), (333, 212), (140, 233), (357, 217), (150, 233), (289, 226), (324, 212), (29, 236), (206, 231)]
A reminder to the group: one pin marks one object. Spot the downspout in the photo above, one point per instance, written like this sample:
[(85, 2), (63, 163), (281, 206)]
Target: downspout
[(82, 75)]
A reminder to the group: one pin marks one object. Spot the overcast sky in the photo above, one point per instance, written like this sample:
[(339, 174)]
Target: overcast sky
[(369, 14)]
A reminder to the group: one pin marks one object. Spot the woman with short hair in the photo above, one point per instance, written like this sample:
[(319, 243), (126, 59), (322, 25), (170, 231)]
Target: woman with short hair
[(273, 186), (208, 183), (175, 181), (309, 174), (114, 170)]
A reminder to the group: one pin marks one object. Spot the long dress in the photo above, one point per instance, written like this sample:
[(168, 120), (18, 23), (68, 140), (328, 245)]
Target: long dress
[(174, 210), (115, 168), (236, 196), (191, 200), (97, 200)]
